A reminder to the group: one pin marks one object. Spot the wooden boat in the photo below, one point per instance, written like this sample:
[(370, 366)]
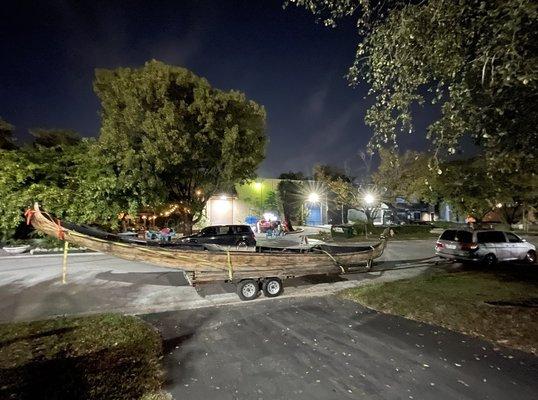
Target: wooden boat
[(201, 265)]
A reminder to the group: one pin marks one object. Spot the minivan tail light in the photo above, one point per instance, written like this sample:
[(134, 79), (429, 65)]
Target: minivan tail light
[(439, 245)]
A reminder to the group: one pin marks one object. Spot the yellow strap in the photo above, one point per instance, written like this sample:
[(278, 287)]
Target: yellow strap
[(64, 264), (230, 268)]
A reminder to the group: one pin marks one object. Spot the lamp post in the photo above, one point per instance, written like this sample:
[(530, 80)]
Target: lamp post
[(369, 199)]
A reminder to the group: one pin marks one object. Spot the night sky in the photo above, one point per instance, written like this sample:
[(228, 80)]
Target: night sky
[(279, 58)]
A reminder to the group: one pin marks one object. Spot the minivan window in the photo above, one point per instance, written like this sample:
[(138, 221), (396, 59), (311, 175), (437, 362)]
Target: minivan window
[(512, 238), (457, 236), (490, 237), (448, 235)]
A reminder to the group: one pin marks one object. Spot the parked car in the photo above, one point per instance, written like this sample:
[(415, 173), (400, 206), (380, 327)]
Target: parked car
[(486, 246), (224, 235)]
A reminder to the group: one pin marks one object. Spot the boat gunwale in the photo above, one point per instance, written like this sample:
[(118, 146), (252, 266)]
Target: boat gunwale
[(42, 219)]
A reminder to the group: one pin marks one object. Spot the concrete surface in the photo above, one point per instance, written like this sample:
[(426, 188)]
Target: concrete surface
[(31, 288), (328, 348)]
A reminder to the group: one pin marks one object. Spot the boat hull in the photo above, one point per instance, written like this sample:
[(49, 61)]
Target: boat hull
[(208, 266)]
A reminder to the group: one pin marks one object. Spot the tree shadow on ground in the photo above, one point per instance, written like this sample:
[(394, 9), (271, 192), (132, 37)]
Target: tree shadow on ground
[(51, 332), (112, 373), (508, 271), (168, 278)]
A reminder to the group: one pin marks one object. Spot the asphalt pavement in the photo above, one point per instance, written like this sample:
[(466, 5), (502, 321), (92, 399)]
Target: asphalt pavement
[(329, 348), (31, 286)]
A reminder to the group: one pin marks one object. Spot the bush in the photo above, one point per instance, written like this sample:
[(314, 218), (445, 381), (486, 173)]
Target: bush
[(374, 230), (99, 357)]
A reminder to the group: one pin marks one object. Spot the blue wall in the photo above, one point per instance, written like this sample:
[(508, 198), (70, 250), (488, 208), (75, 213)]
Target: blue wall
[(313, 214)]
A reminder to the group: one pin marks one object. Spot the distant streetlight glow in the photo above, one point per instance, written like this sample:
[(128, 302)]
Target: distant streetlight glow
[(258, 185), (369, 199), (313, 198)]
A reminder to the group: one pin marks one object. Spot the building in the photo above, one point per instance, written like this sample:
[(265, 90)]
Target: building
[(259, 200)]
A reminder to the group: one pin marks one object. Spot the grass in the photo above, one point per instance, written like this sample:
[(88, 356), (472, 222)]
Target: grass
[(106, 356), (457, 301), (401, 232)]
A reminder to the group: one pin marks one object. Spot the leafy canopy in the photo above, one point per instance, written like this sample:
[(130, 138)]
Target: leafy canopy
[(475, 59), (172, 138)]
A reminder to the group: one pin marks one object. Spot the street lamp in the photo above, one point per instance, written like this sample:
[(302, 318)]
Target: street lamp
[(313, 197), (369, 199)]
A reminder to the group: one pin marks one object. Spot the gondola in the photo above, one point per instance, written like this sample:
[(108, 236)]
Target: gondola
[(262, 268)]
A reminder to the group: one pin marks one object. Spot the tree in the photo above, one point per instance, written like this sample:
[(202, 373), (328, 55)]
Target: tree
[(172, 138), (340, 186), (28, 175), (467, 186), (291, 196), (475, 60), (71, 181), (7, 141), (54, 137), (408, 175)]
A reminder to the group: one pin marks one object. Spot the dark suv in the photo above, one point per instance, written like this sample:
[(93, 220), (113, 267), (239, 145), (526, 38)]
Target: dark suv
[(224, 235)]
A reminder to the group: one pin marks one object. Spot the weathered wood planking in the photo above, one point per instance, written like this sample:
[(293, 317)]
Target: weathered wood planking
[(206, 266)]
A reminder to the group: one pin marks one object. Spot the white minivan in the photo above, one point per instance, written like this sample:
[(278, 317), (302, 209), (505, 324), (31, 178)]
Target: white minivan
[(486, 246)]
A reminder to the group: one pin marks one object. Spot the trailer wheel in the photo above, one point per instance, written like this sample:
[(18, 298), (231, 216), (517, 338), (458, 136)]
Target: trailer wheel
[(272, 287), (247, 289)]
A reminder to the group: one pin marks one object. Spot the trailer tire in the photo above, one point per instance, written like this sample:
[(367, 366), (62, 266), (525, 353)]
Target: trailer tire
[(272, 287), (248, 289)]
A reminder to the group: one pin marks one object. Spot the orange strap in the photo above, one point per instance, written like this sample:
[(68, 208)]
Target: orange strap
[(29, 214), (59, 231)]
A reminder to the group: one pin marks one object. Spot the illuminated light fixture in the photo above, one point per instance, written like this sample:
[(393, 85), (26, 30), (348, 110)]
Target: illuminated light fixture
[(369, 198), (258, 185), (269, 217), (198, 192), (313, 198), (223, 197), (499, 205), (144, 217)]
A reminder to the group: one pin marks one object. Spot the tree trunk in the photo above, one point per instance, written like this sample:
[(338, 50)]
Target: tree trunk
[(188, 223), (287, 220)]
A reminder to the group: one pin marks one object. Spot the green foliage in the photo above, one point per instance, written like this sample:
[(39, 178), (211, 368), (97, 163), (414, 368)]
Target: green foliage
[(468, 187), (407, 175), (6, 135), (54, 137), (168, 134), (466, 184), (69, 181), (98, 357), (475, 60), (258, 195), (340, 186)]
